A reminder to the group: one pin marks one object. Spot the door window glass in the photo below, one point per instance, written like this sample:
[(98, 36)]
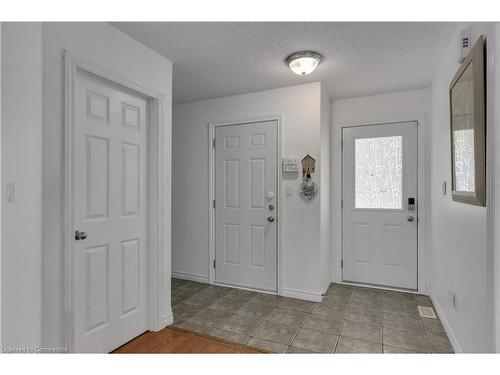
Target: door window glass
[(379, 172)]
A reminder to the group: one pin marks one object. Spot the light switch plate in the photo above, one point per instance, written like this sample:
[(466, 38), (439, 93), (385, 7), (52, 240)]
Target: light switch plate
[(291, 165)]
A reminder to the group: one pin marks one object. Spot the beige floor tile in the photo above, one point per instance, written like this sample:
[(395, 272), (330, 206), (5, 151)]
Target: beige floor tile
[(318, 323), (348, 345), (439, 344), (269, 346), (315, 341), (288, 318), (405, 339), (241, 324), (276, 333), (362, 331), (230, 336), (298, 305)]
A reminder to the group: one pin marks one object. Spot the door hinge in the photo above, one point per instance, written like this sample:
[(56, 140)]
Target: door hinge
[(213, 143), (342, 203), (341, 143), (213, 203), (342, 263), (214, 263)]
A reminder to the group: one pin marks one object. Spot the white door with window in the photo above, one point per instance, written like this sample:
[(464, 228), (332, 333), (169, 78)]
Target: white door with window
[(379, 192), (246, 171), (109, 214)]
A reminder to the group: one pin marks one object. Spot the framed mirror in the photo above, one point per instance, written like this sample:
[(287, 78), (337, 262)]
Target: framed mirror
[(467, 114)]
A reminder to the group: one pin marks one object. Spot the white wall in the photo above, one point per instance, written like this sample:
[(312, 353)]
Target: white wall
[(301, 108), (461, 255), (109, 48), (496, 187), (1, 184), (325, 189), (22, 165), (377, 109)]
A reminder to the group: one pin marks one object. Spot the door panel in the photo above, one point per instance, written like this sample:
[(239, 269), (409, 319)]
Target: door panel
[(379, 172), (245, 172), (109, 202)]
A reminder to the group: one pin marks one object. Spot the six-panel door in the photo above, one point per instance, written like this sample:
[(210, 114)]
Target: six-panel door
[(246, 205), (109, 204)]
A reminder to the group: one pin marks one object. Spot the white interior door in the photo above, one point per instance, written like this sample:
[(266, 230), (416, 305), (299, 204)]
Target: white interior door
[(379, 221), (246, 205), (109, 205)]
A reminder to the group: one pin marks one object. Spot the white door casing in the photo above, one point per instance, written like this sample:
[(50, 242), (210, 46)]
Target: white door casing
[(379, 175), (246, 213)]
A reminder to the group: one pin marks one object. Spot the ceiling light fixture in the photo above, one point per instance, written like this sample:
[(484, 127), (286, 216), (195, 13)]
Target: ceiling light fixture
[(304, 62)]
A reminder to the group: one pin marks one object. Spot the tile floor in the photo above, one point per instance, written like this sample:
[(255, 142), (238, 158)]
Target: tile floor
[(349, 320)]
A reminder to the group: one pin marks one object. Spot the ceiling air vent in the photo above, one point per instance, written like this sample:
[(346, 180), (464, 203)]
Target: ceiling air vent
[(464, 44)]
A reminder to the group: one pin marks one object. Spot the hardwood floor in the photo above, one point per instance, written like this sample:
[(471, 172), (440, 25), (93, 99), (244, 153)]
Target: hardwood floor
[(174, 340)]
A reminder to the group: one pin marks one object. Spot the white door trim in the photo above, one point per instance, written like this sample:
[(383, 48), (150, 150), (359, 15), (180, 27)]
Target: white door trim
[(156, 194), (423, 210), (211, 191)]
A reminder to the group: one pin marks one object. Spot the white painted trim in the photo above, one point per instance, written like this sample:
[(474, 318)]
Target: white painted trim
[(422, 209), (211, 191), (447, 328), (302, 294), (157, 197), (190, 276), (168, 319), (1, 183), (494, 205)]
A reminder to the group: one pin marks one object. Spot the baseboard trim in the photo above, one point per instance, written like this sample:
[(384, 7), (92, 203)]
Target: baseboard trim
[(302, 294), (166, 320), (451, 336), (190, 276)]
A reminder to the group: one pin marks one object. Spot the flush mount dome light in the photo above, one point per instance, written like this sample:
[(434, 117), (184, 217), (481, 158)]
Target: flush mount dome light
[(303, 63)]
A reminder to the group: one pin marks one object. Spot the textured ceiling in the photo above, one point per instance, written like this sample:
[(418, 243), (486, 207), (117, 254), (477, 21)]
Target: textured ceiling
[(219, 59)]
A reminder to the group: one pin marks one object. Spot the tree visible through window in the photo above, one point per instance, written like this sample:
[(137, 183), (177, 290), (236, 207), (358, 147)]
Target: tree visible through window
[(464, 160), (379, 172)]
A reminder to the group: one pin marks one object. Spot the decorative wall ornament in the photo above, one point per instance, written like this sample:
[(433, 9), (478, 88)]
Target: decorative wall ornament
[(308, 164), (308, 189)]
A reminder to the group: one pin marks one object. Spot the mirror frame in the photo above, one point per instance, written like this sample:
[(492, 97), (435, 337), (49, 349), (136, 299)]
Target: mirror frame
[(478, 197)]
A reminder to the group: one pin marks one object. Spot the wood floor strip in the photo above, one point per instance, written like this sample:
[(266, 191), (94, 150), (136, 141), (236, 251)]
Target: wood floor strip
[(177, 340)]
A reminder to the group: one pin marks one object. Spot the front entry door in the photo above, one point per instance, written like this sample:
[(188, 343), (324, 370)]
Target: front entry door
[(109, 209), (246, 205), (379, 164)]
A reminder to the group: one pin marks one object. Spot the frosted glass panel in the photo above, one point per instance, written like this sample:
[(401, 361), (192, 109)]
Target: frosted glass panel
[(463, 131), (464, 159), (379, 172)]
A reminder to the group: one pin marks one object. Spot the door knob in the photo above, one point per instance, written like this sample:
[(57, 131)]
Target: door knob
[(80, 236), (270, 219), (410, 218)]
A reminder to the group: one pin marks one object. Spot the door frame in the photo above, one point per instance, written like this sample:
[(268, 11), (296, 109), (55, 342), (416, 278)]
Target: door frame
[(156, 180), (212, 125), (422, 162)]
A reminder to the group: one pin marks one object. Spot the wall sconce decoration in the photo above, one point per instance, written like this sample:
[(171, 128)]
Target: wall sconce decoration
[(308, 189)]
